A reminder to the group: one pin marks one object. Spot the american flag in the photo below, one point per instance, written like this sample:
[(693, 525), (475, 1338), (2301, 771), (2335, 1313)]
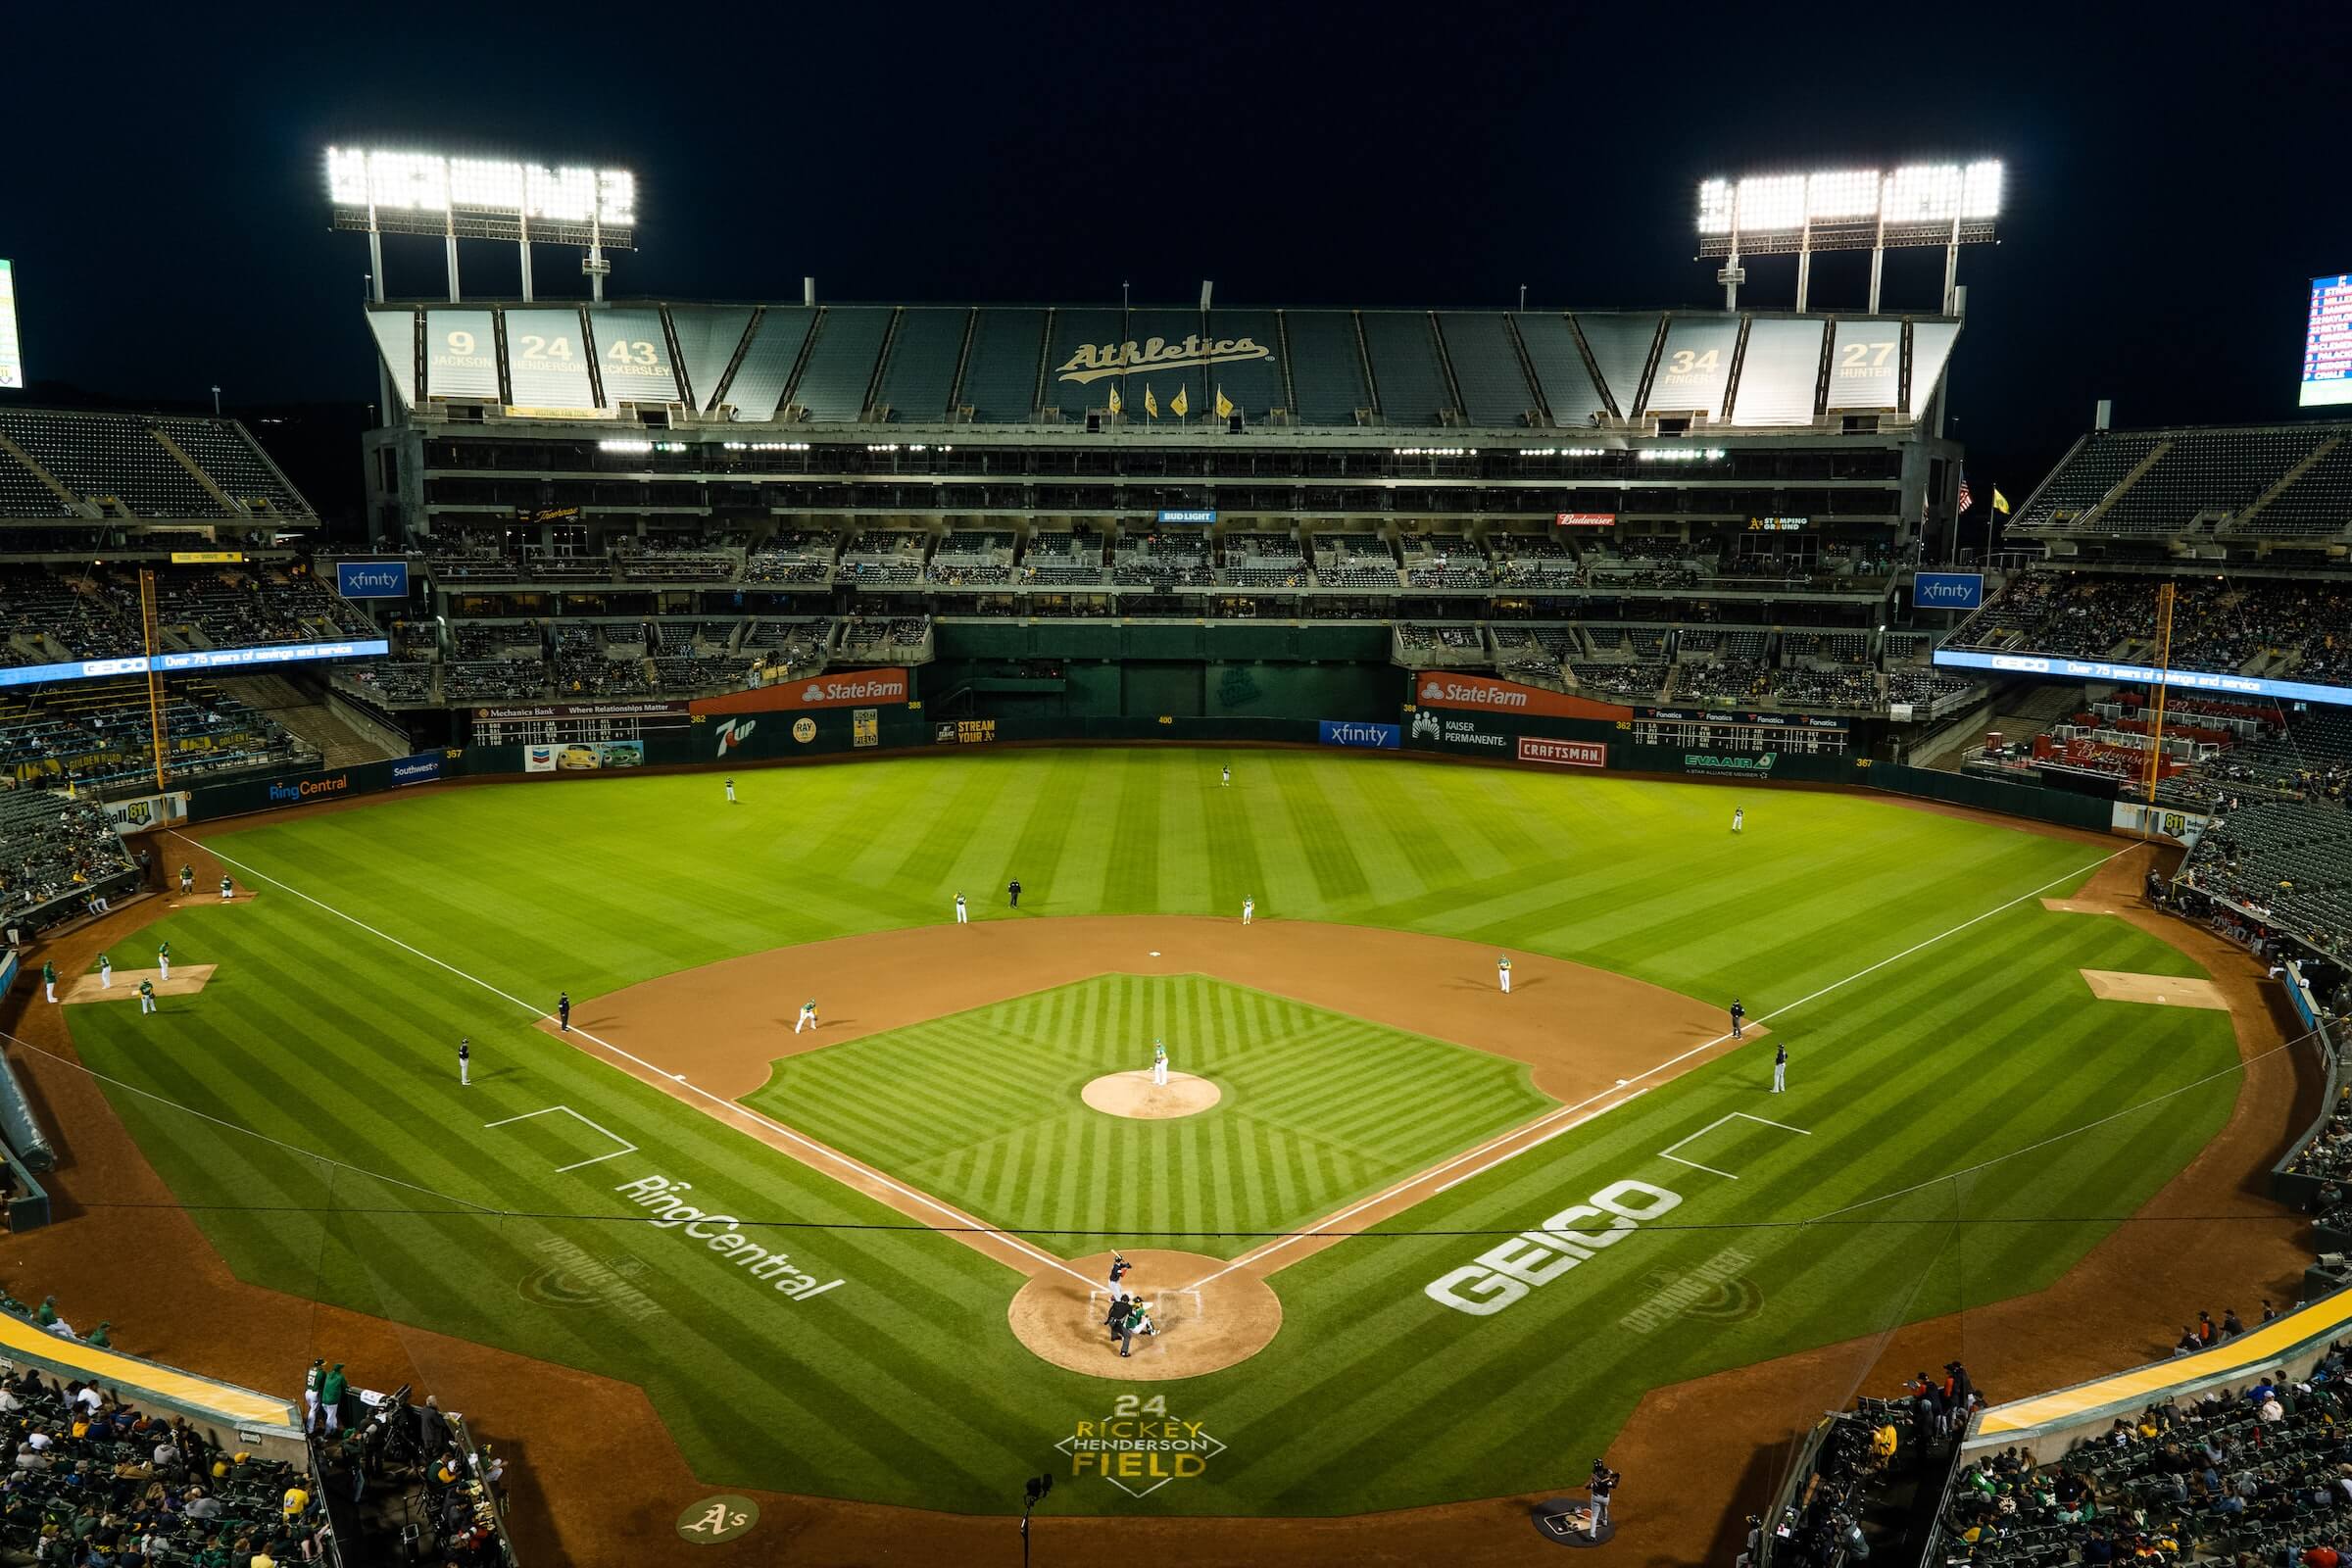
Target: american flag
[(1966, 499)]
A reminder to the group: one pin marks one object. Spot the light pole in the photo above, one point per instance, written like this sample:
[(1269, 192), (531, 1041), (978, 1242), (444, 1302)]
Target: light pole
[(1033, 1493), (216, 403)]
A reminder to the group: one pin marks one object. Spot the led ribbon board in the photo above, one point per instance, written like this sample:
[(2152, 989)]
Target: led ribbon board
[(193, 659), (2060, 667)]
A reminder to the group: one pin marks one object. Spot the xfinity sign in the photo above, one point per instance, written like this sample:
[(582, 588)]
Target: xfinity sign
[(371, 579), (1949, 590)]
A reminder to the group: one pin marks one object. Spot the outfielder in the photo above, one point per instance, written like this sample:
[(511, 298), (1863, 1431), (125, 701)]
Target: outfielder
[(1738, 817), (1225, 774), (106, 972), (465, 1062), (807, 1017), (146, 996), (1780, 1068), (1502, 973), (1159, 1064), (963, 917), (49, 980), (731, 792), (163, 960), (1249, 911)]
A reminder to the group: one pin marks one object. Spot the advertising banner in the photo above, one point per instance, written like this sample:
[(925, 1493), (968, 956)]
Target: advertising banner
[(545, 711), (1486, 694), (423, 769), (1187, 514), (371, 579), (1584, 519), (964, 732), (583, 757), (1949, 590), (855, 688), (144, 811), (1348, 732), (2064, 666), (866, 727), (1563, 754), (1450, 733)]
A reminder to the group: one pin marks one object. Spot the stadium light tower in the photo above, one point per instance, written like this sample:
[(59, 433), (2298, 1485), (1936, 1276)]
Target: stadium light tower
[(1872, 210), (378, 193)]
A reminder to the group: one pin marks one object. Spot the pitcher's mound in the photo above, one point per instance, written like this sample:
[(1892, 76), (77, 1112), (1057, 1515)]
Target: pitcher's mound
[(1205, 1324), (1134, 1094)]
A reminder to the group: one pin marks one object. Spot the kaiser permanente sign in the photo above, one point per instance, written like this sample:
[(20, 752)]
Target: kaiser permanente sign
[(2061, 667)]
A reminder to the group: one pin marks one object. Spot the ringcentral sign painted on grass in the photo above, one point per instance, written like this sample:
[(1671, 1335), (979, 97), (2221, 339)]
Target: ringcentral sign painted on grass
[(1506, 1271), (720, 1234)]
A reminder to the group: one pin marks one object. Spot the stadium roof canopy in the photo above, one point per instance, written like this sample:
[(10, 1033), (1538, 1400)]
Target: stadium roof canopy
[(929, 366)]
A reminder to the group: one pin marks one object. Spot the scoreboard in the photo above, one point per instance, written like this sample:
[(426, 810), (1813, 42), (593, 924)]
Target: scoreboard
[(12, 354), (2328, 344), (578, 723)]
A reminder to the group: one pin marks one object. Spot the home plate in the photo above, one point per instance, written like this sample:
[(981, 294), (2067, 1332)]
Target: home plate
[(1156, 952)]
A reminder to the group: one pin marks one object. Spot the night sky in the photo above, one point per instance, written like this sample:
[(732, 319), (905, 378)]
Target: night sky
[(2174, 182)]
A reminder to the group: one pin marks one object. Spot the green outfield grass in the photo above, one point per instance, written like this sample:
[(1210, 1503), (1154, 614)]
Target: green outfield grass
[(321, 1042), (982, 1108)]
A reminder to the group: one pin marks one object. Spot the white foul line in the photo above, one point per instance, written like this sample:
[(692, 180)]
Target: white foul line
[(1667, 1153), (733, 1107), (1567, 1110)]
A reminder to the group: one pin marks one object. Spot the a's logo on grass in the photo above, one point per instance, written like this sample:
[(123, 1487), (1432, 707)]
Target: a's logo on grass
[(1715, 1290), (1139, 1447), (575, 1279), (716, 1519)]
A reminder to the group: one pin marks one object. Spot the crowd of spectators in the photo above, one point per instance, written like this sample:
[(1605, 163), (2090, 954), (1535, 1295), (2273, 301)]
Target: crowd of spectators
[(2224, 624), (59, 858)]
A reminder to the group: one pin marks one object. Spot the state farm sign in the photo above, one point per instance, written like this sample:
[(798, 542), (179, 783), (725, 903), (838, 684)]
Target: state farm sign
[(1487, 695), (1563, 754), (852, 688)]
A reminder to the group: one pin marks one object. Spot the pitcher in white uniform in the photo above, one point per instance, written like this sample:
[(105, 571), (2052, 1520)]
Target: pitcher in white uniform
[(1159, 1064)]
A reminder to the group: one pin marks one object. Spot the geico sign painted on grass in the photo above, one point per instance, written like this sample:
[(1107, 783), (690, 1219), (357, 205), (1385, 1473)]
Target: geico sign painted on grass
[(720, 1234), (1506, 1272)]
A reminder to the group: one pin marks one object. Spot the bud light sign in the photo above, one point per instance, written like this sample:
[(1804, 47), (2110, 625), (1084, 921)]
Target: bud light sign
[(371, 579), (1949, 590)]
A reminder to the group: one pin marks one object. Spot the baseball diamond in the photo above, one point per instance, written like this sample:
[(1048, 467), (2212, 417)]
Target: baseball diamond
[(829, 1228)]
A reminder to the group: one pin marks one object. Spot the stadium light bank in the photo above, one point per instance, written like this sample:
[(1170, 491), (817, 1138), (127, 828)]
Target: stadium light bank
[(379, 192), (1872, 210)]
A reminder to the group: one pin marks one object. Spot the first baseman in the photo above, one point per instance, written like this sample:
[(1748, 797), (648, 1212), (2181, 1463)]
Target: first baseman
[(807, 1017), (1502, 973), (1159, 1062), (163, 960)]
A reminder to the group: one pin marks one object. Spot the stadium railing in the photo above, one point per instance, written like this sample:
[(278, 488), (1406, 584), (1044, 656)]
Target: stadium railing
[(2293, 1187)]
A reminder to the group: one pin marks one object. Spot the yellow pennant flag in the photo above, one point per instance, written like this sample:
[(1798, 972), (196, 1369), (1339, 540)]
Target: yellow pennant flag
[(1115, 405), (1150, 403), (1179, 406), (2000, 502), (1224, 405)]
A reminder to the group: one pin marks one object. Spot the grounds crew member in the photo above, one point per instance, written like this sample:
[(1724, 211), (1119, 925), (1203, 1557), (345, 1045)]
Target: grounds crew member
[(163, 961), (187, 880), (146, 996), (331, 1398), (310, 1392), (465, 1062), (49, 980)]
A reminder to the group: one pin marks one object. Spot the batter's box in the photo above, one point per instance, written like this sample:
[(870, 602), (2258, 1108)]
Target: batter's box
[(625, 1146), (1667, 1153), (1171, 1310)]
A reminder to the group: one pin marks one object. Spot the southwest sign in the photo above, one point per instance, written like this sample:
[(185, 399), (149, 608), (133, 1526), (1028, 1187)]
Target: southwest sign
[(1095, 361), (1487, 695)]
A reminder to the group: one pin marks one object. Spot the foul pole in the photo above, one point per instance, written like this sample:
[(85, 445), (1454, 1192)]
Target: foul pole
[(2164, 666), (155, 681)]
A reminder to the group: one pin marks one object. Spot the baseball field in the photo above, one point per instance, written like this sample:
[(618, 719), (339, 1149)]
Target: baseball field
[(1406, 1240)]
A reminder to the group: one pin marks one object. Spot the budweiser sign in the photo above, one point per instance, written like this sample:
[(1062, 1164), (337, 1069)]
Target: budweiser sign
[(1585, 520)]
